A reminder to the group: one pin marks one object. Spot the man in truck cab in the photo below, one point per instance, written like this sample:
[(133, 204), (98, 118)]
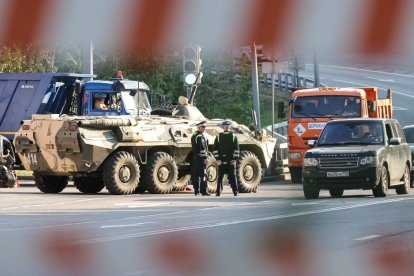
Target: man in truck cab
[(99, 102)]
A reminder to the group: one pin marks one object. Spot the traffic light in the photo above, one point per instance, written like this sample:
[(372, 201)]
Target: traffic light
[(192, 65)]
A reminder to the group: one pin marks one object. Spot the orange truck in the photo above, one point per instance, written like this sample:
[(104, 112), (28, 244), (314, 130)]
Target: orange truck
[(310, 109)]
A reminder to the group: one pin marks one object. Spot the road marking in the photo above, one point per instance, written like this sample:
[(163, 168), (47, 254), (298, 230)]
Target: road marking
[(367, 70), (142, 204), (305, 203), (232, 222), (49, 204), (368, 85), (351, 82), (148, 205), (125, 225), (367, 238), (381, 80)]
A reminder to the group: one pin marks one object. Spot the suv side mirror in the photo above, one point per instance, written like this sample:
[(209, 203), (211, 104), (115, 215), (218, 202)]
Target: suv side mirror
[(395, 141)]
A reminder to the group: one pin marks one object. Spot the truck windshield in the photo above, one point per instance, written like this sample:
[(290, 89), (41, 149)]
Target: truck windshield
[(326, 106), (353, 133), (136, 102)]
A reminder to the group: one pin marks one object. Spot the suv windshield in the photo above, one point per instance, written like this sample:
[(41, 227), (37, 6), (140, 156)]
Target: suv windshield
[(352, 133), (326, 106)]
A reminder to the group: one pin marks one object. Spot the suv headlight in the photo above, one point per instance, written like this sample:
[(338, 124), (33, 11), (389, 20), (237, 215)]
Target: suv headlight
[(367, 160), (308, 162), (294, 155)]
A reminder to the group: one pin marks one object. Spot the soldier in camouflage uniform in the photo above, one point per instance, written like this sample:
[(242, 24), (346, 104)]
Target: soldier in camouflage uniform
[(198, 165), (226, 151)]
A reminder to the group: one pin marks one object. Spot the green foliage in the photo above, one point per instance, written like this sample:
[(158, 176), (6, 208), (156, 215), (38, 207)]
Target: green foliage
[(28, 59), (225, 90)]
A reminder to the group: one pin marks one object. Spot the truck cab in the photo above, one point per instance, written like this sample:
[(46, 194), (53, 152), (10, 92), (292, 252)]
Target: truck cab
[(120, 97)]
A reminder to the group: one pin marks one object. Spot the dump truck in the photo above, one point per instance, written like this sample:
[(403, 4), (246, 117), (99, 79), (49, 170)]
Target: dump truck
[(310, 110), (131, 153), (24, 94)]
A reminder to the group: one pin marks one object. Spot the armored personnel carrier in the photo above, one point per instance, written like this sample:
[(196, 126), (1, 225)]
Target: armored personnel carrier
[(130, 153)]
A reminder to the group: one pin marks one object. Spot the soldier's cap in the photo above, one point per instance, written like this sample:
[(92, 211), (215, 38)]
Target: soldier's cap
[(99, 95), (227, 123), (201, 124)]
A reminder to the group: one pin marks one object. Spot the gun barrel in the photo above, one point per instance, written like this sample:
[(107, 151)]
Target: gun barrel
[(105, 123)]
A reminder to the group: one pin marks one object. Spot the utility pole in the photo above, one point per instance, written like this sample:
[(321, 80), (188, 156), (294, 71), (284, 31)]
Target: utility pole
[(316, 70), (88, 59), (255, 83)]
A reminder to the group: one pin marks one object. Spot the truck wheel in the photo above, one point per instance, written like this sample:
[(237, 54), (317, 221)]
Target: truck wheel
[(248, 172), (181, 182), (404, 188), (89, 185), (336, 192), (121, 173), (310, 193), (160, 173), (296, 174), (381, 189), (50, 184), (212, 174)]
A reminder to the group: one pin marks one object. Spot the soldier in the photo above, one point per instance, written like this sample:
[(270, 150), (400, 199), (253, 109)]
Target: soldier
[(198, 167), (226, 151)]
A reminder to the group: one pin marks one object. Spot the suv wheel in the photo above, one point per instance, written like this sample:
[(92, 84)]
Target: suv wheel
[(310, 193), (404, 188), (382, 188)]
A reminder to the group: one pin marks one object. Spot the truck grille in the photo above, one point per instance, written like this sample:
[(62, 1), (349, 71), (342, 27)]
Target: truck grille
[(338, 162)]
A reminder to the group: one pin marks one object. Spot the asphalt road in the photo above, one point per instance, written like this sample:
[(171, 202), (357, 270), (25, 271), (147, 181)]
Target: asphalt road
[(401, 83), (272, 232)]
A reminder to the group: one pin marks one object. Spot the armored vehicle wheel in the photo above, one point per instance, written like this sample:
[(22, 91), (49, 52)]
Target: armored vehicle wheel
[(121, 173), (404, 188), (248, 172), (381, 189), (212, 174), (89, 185), (50, 184), (181, 182), (160, 173), (336, 192)]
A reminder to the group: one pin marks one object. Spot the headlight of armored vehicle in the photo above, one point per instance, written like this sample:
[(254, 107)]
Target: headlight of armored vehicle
[(368, 160), (308, 162), (294, 155)]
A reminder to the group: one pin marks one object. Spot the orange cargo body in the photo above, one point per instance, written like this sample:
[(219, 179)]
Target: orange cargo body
[(310, 109)]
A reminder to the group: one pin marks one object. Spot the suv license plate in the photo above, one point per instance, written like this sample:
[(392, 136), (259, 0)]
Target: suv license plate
[(337, 174)]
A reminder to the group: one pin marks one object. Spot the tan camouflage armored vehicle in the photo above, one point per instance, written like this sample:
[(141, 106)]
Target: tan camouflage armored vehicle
[(127, 154)]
